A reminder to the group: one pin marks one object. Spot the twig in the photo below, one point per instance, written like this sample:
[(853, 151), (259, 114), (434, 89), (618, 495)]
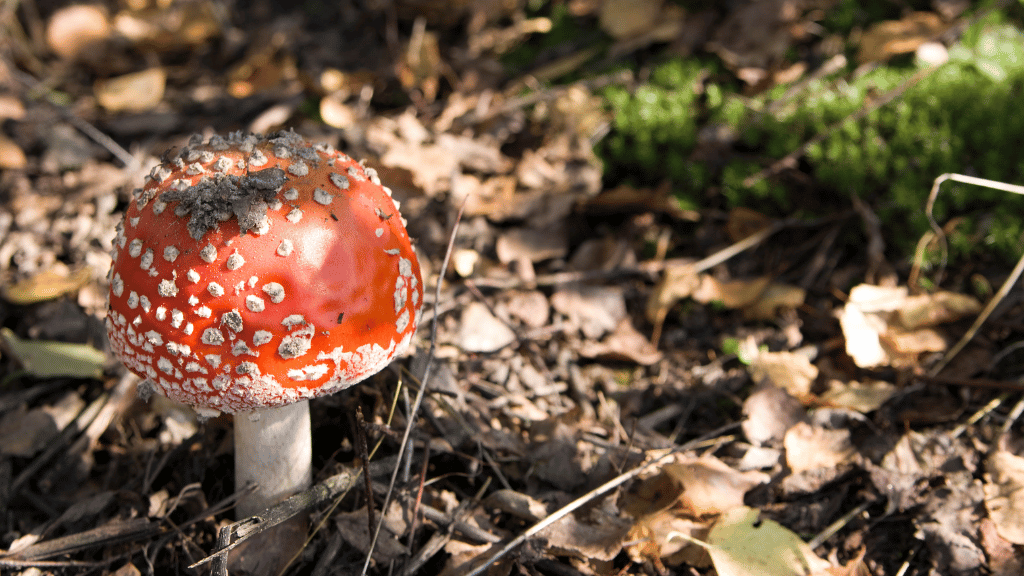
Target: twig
[(593, 494), (1007, 285), (278, 513), (838, 525), (419, 393)]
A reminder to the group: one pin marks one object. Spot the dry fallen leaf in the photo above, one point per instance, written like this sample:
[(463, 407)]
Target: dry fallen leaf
[(775, 297), (788, 370), (811, 447), (532, 244), (624, 343), (710, 486), (731, 293), (75, 30), (744, 222), (11, 155), (1004, 494), (679, 281), (886, 39), (934, 309), (135, 92), (46, 286), (863, 397), (24, 432), (768, 413), (601, 540), (531, 307), (657, 536), (354, 529), (481, 331), (626, 18), (594, 310)]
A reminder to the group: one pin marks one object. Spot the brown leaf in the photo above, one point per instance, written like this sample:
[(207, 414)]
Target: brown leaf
[(732, 293), (788, 370), (883, 40), (678, 282), (768, 413), (934, 309), (710, 486), (810, 447), (744, 222), (135, 92), (1004, 494), (11, 155), (75, 30), (481, 331), (624, 343), (626, 18), (46, 286)]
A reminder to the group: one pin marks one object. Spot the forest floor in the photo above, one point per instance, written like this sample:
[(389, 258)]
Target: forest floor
[(626, 384)]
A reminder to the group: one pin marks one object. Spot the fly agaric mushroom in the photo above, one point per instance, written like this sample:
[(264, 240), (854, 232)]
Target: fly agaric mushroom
[(253, 273)]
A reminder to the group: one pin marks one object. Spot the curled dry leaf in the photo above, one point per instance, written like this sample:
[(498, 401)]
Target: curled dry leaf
[(47, 285), (811, 447), (1004, 494), (663, 535), (709, 486), (353, 527), (626, 18), (601, 540), (624, 343), (135, 92), (883, 40), (74, 30), (731, 293), (788, 370), (594, 310), (481, 331), (12, 157), (934, 309), (884, 326), (170, 26), (517, 504), (532, 244), (768, 413), (25, 432), (679, 281), (531, 307), (775, 297), (863, 397)]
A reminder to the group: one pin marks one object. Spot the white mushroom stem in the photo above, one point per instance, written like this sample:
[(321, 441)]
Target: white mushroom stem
[(273, 448)]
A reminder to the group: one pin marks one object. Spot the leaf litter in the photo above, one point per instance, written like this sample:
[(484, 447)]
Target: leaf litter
[(582, 333)]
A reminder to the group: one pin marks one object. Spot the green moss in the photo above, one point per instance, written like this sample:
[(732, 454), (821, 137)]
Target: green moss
[(964, 117), (654, 130)]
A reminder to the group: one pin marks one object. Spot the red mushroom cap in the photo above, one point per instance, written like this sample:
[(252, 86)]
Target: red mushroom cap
[(256, 271)]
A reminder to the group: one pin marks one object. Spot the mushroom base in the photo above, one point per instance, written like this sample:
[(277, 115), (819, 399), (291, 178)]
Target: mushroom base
[(273, 448)]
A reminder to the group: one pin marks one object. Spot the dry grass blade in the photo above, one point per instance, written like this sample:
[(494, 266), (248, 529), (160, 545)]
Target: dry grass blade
[(420, 393), (937, 230)]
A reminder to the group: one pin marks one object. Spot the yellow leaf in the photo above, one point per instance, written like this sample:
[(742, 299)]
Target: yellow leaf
[(47, 358)]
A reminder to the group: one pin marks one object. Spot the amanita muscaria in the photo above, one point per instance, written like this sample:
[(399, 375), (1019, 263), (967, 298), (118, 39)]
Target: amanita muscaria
[(252, 273)]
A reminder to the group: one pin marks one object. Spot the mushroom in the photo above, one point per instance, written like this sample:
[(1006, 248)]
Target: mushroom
[(252, 273)]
